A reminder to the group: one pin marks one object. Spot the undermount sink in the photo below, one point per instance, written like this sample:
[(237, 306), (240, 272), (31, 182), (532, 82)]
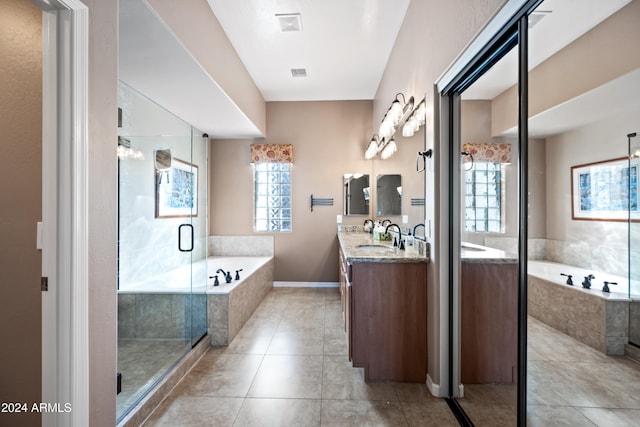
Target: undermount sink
[(375, 248)]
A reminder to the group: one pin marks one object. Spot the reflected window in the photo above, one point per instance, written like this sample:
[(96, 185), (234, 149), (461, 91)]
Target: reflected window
[(272, 197), (483, 196)]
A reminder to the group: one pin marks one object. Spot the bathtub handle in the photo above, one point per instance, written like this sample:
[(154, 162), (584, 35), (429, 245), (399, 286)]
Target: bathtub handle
[(569, 280), (190, 248), (605, 288)]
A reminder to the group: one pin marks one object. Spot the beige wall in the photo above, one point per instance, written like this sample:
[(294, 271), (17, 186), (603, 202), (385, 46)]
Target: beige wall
[(21, 206), (475, 126), (603, 140), (211, 48), (433, 33), (604, 53), (328, 140), (21, 123), (102, 112)]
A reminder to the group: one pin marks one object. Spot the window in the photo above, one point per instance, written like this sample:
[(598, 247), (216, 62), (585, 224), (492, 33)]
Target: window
[(483, 196), (272, 196)]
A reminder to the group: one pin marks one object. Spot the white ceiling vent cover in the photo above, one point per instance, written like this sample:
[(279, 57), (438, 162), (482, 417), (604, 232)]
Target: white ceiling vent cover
[(289, 22), (298, 72)]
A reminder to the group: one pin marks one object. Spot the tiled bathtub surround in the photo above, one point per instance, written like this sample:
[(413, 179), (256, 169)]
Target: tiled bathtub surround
[(607, 256), (240, 246), (597, 321), (159, 315), (227, 313)]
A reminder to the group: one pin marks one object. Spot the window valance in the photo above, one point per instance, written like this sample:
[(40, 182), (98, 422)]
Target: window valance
[(490, 153), (271, 153)]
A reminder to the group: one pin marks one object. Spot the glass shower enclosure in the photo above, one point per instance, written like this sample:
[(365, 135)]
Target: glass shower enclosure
[(162, 229), (634, 239)]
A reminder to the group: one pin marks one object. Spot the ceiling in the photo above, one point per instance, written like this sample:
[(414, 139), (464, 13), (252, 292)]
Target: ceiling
[(560, 22), (343, 46)]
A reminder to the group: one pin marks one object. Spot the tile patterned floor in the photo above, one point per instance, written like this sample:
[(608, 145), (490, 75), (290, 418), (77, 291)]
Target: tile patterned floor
[(288, 367), (141, 363)]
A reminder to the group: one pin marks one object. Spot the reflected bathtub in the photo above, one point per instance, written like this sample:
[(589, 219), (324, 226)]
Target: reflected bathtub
[(596, 318)]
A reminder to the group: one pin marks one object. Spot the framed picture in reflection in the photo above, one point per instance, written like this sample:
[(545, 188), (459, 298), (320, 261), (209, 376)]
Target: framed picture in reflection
[(177, 190), (605, 191)]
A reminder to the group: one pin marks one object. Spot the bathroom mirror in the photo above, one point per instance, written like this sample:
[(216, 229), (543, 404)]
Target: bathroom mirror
[(163, 160), (356, 194), (388, 195)]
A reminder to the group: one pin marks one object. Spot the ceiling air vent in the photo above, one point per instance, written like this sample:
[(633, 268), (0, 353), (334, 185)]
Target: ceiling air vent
[(289, 22), (298, 72)]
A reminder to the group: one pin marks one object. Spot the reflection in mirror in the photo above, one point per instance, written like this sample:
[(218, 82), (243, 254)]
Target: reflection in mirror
[(356, 194), (163, 160), (388, 195)]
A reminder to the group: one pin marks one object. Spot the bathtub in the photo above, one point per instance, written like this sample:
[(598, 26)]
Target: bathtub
[(157, 308), (552, 271), (596, 318), (248, 265), (230, 305)]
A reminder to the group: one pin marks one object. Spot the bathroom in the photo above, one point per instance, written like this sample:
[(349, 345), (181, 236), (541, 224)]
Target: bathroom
[(331, 127), (327, 139), (343, 147)]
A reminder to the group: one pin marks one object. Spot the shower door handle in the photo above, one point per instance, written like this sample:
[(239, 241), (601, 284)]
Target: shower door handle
[(190, 235)]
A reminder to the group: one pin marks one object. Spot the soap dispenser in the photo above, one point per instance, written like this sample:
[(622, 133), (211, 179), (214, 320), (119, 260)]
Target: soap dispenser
[(409, 239)]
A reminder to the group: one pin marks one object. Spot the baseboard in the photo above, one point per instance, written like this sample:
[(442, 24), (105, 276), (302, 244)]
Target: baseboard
[(433, 387), (305, 284)]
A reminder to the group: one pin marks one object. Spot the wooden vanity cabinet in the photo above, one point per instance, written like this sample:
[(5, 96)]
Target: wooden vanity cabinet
[(385, 307), (488, 323)]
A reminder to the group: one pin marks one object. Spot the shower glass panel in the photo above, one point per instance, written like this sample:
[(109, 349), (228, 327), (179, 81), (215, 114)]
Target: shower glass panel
[(162, 228), (634, 238), (488, 269)]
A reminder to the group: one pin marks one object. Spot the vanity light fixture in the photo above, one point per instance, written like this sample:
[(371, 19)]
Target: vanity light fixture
[(389, 148), (373, 148), (400, 113), (395, 115), (417, 118)]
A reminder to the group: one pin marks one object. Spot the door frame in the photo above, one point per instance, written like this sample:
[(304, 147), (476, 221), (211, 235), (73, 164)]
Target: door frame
[(65, 231)]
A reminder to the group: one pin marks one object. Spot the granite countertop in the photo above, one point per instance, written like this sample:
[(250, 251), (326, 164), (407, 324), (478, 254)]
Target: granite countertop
[(379, 251), (473, 253)]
